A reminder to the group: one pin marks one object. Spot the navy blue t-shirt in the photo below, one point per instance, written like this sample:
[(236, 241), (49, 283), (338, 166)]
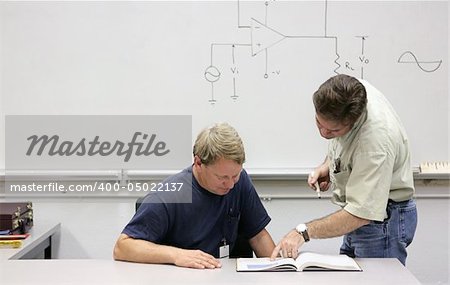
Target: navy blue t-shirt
[(204, 223)]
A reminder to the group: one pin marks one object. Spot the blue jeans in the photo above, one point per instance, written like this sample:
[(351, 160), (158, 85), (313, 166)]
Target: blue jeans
[(389, 238)]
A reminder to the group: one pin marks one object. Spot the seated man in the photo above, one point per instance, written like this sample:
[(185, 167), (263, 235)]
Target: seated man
[(195, 234)]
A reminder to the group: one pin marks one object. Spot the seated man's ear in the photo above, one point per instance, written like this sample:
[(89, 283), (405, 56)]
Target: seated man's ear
[(197, 161)]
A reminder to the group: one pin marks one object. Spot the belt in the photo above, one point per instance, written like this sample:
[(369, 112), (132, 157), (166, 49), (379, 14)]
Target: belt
[(401, 203)]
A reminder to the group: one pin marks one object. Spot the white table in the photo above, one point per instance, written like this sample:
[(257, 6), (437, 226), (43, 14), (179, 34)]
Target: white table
[(92, 271), (39, 243)]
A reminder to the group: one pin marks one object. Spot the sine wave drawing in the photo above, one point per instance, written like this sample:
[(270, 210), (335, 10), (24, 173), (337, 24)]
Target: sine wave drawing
[(410, 57)]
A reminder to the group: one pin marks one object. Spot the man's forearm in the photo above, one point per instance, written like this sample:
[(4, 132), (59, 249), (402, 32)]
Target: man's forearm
[(334, 225), (129, 249)]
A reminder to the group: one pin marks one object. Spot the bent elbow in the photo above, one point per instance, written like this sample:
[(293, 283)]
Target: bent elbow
[(116, 252)]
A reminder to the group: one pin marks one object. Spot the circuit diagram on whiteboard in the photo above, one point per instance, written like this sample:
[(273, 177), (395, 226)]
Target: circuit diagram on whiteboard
[(264, 37)]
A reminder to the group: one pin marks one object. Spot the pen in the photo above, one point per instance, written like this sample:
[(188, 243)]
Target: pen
[(317, 187)]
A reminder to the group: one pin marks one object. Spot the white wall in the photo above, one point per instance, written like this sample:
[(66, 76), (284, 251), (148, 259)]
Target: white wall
[(90, 226)]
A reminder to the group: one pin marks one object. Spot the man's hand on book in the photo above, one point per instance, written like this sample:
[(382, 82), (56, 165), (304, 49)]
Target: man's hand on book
[(288, 246)]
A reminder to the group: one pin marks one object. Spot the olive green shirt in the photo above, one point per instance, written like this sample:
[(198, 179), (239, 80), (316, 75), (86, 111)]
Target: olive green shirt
[(371, 164)]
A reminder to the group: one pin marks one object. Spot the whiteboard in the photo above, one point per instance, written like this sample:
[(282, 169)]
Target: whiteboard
[(253, 64)]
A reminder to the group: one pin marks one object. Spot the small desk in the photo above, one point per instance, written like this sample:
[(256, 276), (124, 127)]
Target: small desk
[(91, 271), (39, 241)]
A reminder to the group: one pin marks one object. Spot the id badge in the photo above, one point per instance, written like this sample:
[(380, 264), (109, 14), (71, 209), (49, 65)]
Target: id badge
[(224, 249)]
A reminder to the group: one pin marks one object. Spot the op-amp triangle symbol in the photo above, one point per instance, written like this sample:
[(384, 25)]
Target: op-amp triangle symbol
[(263, 37)]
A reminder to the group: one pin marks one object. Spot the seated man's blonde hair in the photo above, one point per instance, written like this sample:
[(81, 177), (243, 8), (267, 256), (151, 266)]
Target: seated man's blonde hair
[(219, 141)]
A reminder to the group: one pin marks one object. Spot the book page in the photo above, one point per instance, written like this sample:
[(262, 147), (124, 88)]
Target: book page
[(265, 264), (310, 261)]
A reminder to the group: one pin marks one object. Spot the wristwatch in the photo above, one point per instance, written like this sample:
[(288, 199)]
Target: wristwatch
[(303, 230)]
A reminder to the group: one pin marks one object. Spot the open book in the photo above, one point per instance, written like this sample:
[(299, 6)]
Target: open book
[(305, 261)]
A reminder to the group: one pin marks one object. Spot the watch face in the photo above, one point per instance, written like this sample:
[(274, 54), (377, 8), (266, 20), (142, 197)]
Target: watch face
[(301, 228)]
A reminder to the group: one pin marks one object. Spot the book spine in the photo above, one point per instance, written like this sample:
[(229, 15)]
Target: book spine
[(10, 243)]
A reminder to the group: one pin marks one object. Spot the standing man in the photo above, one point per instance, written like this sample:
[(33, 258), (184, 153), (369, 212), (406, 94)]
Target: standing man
[(369, 171), (224, 201)]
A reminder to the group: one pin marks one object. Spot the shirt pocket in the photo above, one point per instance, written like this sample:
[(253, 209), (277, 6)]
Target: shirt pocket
[(339, 184)]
